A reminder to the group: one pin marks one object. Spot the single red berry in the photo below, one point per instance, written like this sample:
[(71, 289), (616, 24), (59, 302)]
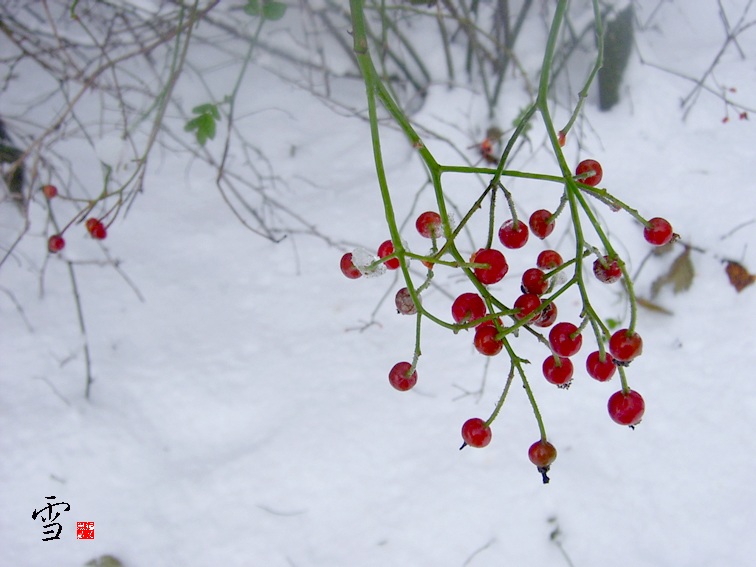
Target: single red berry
[(539, 223), (606, 270), (512, 236), (658, 232), (429, 225), (598, 370), (90, 224), (476, 433), (485, 340), (561, 340), (497, 265), (49, 191), (348, 268), (401, 378), (404, 303), (625, 346), (592, 171), (542, 454), (547, 317), (548, 260), (55, 243), (386, 249), (558, 372), (468, 307), (534, 281), (526, 303), (626, 408)]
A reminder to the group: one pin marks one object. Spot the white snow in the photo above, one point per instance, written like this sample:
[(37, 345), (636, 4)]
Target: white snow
[(238, 418)]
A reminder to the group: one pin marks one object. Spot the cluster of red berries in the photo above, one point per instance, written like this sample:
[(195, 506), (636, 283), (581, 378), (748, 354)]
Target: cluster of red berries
[(488, 266), (94, 226)]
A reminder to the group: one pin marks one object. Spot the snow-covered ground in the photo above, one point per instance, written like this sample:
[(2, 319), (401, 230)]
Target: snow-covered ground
[(239, 417)]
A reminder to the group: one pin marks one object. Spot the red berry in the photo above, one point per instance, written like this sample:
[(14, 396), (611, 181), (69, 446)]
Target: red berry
[(626, 408), (606, 270), (386, 249), (658, 232), (526, 304), (90, 224), (542, 454), (533, 281), (485, 340), (429, 225), (468, 307), (476, 433), (625, 346), (348, 268), (592, 170), (598, 370), (49, 191), (497, 269), (559, 373), (404, 303), (55, 243), (548, 260), (400, 377), (539, 223), (562, 343), (96, 228), (547, 317), (511, 236)]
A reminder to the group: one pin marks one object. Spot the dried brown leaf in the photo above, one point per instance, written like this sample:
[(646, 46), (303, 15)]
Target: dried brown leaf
[(680, 275), (739, 276)]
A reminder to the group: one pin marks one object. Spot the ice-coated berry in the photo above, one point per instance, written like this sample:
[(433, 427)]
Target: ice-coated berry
[(429, 225), (348, 268)]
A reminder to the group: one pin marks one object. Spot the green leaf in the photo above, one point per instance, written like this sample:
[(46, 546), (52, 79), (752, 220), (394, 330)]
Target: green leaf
[(612, 323), (204, 124), (274, 10), (252, 8)]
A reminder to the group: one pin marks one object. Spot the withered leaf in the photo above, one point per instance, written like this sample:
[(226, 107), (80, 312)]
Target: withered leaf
[(739, 276), (680, 275), (651, 306)]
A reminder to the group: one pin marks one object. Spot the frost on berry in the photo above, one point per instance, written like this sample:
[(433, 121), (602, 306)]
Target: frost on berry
[(386, 249), (367, 263), (404, 303), (607, 270), (429, 225), (348, 268)]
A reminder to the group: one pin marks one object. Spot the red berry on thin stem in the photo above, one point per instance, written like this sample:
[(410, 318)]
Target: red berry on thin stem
[(542, 454), (512, 236), (526, 304), (497, 265), (386, 249), (401, 378), (625, 346), (598, 369), (626, 408), (548, 260), (561, 340), (429, 225), (607, 270), (539, 223), (485, 340), (55, 243), (558, 371), (348, 268), (49, 191), (468, 307), (476, 433), (547, 317), (658, 232), (533, 281), (592, 170)]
